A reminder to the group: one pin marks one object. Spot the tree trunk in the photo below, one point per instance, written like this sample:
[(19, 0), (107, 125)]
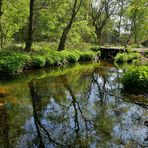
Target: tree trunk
[(64, 35), (98, 33), (66, 30), (30, 27), (135, 32)]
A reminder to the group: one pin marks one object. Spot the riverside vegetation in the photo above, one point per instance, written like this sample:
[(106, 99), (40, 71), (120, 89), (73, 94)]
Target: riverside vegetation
[(15, 63), (135, 77), (50, 96)]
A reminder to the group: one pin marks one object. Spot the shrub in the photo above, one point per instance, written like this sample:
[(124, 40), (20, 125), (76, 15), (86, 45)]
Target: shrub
[(127, 57), (57, 58), (49, 60), (37, 61), (136, 79), (86, 56), (70, 56), (73, 57), (13, 64), (135, 46), (95, 48)]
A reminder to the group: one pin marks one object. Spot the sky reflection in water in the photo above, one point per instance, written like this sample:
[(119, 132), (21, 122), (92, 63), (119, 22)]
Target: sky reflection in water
[(71, 108)]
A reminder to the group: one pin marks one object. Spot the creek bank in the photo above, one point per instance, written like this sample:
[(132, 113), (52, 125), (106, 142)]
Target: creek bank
[(16, 63)]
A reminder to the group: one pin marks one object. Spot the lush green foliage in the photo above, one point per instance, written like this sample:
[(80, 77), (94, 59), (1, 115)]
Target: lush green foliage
[(13, 19), (127, 57), (14, 63), (37, 61), (50, 17), (95, 48), (136, 79), (86, 56), (138, 15)]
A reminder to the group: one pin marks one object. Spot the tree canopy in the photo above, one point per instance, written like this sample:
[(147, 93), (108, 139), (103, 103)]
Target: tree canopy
[(64, 21)]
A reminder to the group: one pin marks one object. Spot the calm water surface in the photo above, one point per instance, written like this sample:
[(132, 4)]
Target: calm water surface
[(77, 106)]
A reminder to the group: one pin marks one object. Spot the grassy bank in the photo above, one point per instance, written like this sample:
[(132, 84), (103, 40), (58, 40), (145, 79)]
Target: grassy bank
[(15, 63)]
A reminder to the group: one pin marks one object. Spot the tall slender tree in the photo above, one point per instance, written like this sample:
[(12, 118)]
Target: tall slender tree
[(75, 9), (30, 27), (100, 12)]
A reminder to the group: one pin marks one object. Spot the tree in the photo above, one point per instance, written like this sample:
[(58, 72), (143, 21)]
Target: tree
[(10, 23), (75, 9), (121, 6), (138, 14), (30, 26), (100, 12)]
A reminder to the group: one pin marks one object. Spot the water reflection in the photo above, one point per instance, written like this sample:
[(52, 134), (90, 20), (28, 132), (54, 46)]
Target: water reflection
[(82, 107)]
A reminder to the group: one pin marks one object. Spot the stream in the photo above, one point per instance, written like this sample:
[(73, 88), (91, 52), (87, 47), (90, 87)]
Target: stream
[(80, 105)]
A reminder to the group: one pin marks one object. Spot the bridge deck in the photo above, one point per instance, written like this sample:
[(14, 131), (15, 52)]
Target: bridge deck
[(110, 52), (112, 48)]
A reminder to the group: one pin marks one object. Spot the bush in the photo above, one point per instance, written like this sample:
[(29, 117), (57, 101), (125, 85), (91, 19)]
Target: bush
[(49, 60), (86, 56), (136, 79), (37, 61), (135, 46), (70, 56), (95, 48), (73, 57), (127, 57), (13, 64), (57, 58)]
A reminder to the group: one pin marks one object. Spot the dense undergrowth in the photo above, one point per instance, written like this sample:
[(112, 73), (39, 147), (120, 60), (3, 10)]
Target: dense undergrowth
[(135, 79), (14, 63), (127, 57)]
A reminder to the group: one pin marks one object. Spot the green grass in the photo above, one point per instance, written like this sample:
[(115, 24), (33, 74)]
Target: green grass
[(135, 79), (12, 64)]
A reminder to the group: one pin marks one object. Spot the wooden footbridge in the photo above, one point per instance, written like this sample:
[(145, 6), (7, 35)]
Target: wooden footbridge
[(110, 52)]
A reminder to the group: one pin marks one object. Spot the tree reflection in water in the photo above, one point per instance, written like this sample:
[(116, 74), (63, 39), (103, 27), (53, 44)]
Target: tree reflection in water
[(38, 124), (83, 108)]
